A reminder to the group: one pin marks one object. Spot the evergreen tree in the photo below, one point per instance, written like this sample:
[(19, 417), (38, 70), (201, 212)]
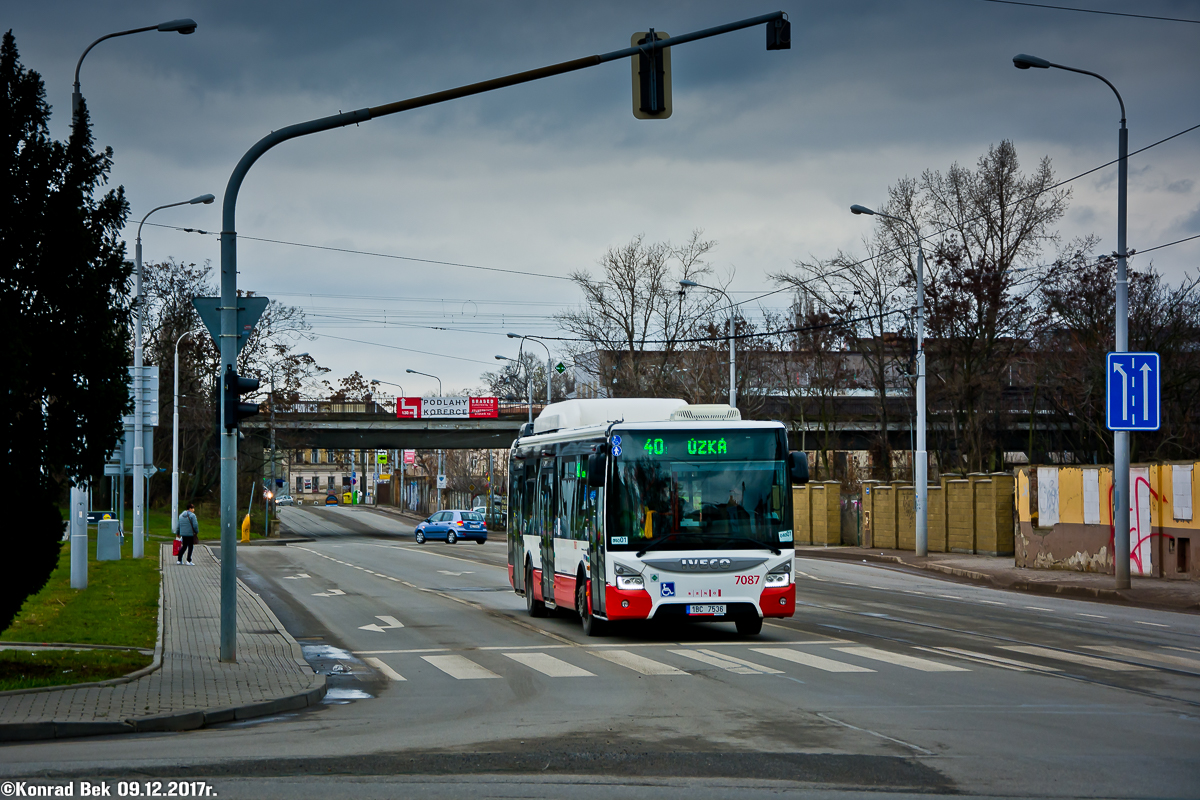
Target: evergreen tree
[(64, 316)]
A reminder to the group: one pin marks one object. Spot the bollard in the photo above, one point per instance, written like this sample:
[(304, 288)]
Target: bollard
[(246, 529), (79, 538)]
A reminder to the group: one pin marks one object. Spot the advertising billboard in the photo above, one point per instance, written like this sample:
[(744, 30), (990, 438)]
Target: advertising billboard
[(447, 407)]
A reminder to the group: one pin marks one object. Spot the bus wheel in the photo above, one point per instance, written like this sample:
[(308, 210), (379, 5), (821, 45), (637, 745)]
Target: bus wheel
[(591, 625), (749, 626), (536, 608)]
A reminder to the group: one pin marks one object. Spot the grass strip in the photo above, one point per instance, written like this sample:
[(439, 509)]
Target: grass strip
[(23, 669), (119, 607)]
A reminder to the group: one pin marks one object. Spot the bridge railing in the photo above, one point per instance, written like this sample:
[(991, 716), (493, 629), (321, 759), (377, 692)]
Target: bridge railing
[(383, 405)]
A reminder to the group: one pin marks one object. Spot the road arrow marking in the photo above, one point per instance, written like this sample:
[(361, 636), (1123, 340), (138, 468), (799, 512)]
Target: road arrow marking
[(455, 574), (1124, 391), (1146, 370), (330, 593), (295, 577), (390, 623)]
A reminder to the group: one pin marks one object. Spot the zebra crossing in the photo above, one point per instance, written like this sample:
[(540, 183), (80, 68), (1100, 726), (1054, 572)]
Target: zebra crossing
[(581, 662), (837, 657)]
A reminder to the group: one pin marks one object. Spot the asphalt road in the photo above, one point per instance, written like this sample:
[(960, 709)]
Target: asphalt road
[(441, 686)]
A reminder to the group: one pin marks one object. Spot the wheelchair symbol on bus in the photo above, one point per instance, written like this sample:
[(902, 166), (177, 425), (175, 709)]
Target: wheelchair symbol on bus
[(668, 588)]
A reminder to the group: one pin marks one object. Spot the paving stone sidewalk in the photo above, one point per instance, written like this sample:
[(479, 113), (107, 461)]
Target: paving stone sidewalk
[(192, 687), (1002, 573)]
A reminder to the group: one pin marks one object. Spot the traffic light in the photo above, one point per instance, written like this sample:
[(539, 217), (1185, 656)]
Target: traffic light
[(232, 388), (779, 35), (651, 77)]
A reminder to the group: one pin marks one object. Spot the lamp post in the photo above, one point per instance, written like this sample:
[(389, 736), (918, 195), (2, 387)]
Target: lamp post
[(549, 364), (920, 455), (683, 287), (183, 26), (175, 444), (398, 483), (139, 388), (439, 452), (1121, 496)]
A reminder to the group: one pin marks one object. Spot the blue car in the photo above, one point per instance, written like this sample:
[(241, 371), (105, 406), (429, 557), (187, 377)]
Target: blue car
[(452, 526)]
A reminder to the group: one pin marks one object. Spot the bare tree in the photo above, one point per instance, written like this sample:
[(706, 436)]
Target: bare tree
[(635, 311)]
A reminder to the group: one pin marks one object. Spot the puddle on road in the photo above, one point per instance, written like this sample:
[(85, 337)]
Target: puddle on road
[(347, 677)]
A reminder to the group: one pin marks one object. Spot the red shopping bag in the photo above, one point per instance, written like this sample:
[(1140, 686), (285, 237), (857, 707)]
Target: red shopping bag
[(177, 546)]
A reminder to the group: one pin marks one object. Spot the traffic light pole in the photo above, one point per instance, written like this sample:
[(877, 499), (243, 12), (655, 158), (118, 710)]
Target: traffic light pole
[(229, 299)]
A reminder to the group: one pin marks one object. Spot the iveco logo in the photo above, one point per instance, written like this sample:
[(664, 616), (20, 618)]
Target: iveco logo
[(705, 563)]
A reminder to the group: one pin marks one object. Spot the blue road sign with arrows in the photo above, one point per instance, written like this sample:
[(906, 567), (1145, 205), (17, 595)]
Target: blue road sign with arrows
[(1133, 396)]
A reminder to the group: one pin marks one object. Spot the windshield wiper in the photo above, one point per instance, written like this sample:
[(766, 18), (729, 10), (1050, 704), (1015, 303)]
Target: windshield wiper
[(656, 543), (754, 542)]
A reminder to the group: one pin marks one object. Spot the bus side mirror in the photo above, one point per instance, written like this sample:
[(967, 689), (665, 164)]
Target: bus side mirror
[(597, 463), (798, 466)]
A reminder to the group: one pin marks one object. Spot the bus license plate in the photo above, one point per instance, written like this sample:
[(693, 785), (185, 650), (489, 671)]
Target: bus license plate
[(706, 611)]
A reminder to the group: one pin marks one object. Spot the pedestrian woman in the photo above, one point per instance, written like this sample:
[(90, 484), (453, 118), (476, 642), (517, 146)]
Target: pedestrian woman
[(189, 529)]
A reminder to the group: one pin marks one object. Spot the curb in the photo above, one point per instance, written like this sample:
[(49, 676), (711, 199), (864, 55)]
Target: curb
[(997, 582)]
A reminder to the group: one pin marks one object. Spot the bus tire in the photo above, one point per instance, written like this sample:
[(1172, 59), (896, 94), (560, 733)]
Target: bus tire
[(536, 608), (591, 625), (749, 626)]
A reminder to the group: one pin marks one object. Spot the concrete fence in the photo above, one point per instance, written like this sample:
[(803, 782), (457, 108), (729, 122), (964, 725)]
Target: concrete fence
[(817, 513), (1065, 519), (970, 514)]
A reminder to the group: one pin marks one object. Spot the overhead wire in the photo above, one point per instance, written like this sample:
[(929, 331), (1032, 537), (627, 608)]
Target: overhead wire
[(1092, 11)]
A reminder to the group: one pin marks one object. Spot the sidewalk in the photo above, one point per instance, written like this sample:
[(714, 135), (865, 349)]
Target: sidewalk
[(1000, 572), (187, 686)]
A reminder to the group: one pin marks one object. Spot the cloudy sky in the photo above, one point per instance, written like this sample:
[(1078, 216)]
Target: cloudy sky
[(765, 151)]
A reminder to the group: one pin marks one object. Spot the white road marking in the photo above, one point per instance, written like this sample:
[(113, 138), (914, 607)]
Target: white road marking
[(459, 668), (809, 660), (950, 596), (1039, 608), (390, 673), (549, 665), (1155, 624), (389, 623), (725, 662), (637, 663), (330, 593), (455, 574), (1075, 658), (1093, 616), (990, 602), (296, 577), (989, 659), (1164, 658), (900, 659)]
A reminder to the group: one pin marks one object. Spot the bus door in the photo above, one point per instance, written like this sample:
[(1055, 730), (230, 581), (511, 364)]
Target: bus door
[(546, 520), (516, 528), (596, 547)]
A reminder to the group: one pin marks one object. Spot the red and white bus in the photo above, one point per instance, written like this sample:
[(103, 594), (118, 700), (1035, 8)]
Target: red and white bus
[(649, 508)]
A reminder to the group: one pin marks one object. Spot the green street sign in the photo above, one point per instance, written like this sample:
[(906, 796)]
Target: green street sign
[(560, 368)]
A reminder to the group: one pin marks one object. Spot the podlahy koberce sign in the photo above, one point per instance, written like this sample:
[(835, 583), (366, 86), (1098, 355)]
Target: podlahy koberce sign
[(447, 407)]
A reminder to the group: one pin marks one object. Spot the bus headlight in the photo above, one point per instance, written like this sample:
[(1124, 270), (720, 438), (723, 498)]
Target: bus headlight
[(780, 575), (630, 582)]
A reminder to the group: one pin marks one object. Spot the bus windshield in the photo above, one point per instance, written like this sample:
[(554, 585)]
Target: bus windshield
[(678, 490)]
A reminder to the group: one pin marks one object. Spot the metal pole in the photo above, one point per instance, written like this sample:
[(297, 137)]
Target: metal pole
[(921, 457), (139, 453), (732, 357), (79, 538), (228, 348), (1121, 495), (271, 505), (175, 446)]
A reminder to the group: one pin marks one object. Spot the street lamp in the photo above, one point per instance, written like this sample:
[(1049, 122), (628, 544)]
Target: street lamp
[(549, 364), (183, 26), (1121, 496), (683, 287), (528, 381), (139, 389), (439, 452), (920, 455)]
